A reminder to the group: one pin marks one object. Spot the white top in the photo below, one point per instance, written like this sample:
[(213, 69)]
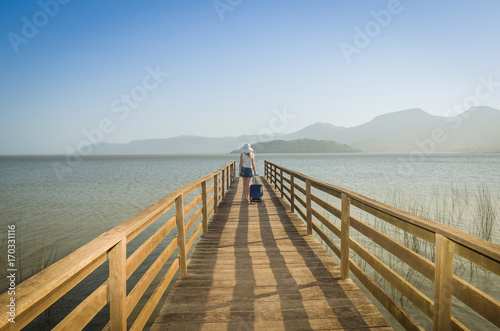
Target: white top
[(247, 161)]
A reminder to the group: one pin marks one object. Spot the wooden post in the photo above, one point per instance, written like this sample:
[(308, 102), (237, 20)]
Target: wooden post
[(443, 283), (118, 286), (275, 178), (223, 184), (228, 170), (181, 235), (216, 198), (281, 182), (344, 236), (292, 193), (204, 207), (308, 207)]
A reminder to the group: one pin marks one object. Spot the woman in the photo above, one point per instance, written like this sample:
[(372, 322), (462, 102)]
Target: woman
[(247, 163)]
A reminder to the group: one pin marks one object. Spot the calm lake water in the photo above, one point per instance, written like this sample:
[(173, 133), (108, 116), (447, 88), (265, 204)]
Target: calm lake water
[(55, 205)]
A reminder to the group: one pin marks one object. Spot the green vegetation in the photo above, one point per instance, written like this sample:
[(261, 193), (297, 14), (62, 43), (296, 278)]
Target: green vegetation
[(301, 146)]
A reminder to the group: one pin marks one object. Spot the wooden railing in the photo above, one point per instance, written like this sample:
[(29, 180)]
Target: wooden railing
[(39, 292), (447, 241)]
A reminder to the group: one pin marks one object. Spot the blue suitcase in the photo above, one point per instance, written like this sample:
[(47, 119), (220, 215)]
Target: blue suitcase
[(256, 190)]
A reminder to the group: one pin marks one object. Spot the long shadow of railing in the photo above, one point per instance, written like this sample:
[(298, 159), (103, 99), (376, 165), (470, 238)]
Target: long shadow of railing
[(192, 202), (341, 306), (447, 241)]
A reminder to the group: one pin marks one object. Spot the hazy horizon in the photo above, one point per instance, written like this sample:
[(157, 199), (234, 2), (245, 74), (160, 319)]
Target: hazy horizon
[(128, 71)]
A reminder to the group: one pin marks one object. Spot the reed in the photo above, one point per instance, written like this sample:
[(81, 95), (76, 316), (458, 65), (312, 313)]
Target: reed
[(472, 209)]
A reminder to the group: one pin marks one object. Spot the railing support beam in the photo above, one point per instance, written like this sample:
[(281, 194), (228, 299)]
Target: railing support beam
[(344, 236), (223, 183), (443, 283), (308, 207), (181, 235), (281, 182), (118, 286), (216, 193), (205, 206)]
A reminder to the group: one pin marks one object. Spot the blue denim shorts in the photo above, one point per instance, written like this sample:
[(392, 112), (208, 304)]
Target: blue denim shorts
[(246, 172)]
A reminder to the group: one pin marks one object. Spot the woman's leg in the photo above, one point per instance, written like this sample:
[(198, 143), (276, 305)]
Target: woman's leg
[(246, 188)]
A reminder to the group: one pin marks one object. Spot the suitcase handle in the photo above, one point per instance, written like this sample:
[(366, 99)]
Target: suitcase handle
[(255, 180)]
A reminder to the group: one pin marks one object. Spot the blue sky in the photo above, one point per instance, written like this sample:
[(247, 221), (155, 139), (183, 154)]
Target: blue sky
[(81, 70)]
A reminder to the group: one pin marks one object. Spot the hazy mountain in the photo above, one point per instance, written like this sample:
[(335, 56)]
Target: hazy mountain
[(300, 146), (318, 131), (176, 145), (476, 130), (412, 130)]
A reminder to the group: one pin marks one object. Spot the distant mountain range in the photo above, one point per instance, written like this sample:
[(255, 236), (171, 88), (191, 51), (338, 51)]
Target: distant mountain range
[(301, 146), (476, 130)]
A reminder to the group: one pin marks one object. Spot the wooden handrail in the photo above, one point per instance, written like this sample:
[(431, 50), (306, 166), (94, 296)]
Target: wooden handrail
[(447, 240), (40, 291)]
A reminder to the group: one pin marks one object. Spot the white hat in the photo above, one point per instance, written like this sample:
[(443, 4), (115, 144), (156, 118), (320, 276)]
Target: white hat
[(246, 148)]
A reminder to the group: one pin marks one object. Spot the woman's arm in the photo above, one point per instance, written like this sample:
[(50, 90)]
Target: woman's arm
[(241, 162), (253, 165)]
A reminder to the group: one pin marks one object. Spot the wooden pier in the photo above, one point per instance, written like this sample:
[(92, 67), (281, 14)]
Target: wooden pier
[(259, 266), (257, 269)]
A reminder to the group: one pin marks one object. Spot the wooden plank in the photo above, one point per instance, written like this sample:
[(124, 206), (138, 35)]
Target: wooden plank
[(478, 258), (79, 317), (193, 237), (408, 227), (301, 201), (327, 188), (344, 236), (40, 291), (328, 207), (443, 284), (148, 246), (146, 312), (257, 269), (326, 223), (392, 307), (192, 204), (328, 241), (299, 188), (216, 193), (308, 207), (181, 235), (281, 182), (409, 291), (480, 302), (142, 285), (204, 206), (414, 260), (193, 219), (118, 286)]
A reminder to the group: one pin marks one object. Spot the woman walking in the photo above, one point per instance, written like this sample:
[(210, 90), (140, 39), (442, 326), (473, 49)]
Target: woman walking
[(247, 163)]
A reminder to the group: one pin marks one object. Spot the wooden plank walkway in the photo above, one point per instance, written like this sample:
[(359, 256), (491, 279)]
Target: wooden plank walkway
[(257, 269)]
